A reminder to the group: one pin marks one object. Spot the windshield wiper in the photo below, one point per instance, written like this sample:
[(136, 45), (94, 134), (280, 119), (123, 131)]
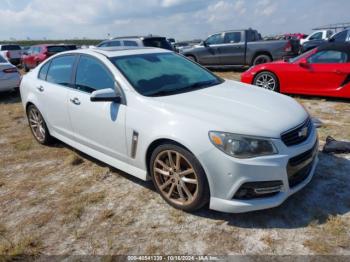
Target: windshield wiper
[(192, 87)]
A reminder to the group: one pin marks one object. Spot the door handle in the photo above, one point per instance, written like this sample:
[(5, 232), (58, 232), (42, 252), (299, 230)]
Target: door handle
[(75, 101), (40, 88)]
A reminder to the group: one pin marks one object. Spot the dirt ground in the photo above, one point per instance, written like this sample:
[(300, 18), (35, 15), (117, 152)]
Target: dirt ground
[(54, 200)]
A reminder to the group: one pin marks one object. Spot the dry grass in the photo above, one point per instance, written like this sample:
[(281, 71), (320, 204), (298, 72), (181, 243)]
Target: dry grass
[(330, 237), (55, 200)]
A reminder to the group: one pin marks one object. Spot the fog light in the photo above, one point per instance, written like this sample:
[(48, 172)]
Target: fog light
[(253, 190)]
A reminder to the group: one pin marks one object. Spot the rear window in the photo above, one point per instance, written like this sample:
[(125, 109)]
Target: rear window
[(157, 42), (57, 49), (10, 47)]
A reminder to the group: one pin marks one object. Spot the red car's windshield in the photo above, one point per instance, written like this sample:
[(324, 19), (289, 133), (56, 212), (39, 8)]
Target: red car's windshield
[(306, 54)]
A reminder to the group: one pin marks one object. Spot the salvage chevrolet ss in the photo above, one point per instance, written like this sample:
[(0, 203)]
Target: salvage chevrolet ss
[(157, 115)]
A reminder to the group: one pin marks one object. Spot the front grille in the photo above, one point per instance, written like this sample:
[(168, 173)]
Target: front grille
[(299, 167), (298, 134)]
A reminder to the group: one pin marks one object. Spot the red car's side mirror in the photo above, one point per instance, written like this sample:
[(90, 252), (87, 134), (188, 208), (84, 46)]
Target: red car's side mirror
[(304, 63)]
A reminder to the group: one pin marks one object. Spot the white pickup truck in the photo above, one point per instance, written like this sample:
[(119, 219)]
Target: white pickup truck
[(317, 35), (12, 53)]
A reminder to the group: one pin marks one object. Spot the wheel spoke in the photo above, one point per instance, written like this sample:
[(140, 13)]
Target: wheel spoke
[(189, 180), (162, 172), (171, 190), (181, 194), (186, 172), (185, 189), (167, 183), (171, 161), (163, 164), (178, 158)]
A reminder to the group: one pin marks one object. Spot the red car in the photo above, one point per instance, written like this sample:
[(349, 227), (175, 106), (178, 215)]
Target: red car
[(324, 71), (38, 53)]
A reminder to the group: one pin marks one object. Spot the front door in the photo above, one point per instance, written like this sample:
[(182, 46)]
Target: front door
[(97, 125)]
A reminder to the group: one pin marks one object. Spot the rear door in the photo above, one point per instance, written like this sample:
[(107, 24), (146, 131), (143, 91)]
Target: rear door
[(97, 125), (53, 88), (232, 52)]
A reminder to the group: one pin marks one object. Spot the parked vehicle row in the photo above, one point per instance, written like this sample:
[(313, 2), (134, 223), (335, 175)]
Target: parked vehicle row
[(240, 48), (324, 71)]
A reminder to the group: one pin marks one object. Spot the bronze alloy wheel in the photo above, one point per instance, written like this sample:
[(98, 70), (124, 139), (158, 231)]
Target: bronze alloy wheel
[(36, 123), (175, 177), (38, 126)]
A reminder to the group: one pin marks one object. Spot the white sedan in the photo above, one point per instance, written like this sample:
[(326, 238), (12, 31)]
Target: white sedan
[(9, 75), (157, 115)]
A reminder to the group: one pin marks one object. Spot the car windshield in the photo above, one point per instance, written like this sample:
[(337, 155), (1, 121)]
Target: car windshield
[(161, 74), (306, 54)]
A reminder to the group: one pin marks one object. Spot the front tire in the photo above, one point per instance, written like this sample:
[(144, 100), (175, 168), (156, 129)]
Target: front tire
[(38, 126), (179, 177), (267, 80)]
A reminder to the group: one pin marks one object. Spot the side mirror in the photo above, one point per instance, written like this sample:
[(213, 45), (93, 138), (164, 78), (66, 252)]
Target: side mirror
[(105, 95), (304, 63), (205, 44), (331, 40)]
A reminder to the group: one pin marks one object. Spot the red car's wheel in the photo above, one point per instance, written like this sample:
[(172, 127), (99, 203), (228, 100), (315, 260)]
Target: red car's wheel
[(267, 80)]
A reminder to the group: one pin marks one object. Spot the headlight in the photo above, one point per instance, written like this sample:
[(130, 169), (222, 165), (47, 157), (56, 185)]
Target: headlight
[(242, 146)]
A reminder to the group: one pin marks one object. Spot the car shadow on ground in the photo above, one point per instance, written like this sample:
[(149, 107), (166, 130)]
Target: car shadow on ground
[(326, 195), (10, 97)]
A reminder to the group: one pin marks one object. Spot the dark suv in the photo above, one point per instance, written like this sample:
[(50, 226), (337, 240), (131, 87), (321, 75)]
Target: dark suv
[(137, 41)]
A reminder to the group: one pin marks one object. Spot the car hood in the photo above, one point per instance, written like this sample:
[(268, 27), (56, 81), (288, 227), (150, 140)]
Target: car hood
[(238, 108)]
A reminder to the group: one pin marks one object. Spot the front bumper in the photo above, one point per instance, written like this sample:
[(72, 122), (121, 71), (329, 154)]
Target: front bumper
[(227, 174)]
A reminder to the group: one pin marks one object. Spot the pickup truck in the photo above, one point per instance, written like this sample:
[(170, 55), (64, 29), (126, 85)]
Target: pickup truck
[(12, 53), (240, 48), (317, 35)]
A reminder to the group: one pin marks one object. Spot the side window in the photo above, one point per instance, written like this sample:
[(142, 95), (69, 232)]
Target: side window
[(60, 71), (92, 75), (340, 37), (233, 37), (214, 39), (328, 57), (316, 36), (130, 43), (114, 43), (103, 45), (43, 71)]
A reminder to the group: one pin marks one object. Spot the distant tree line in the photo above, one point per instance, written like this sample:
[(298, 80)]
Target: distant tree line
[(79, 42)]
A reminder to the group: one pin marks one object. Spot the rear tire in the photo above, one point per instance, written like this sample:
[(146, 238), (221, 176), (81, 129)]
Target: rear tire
[(179, 177), (38, 126), (261, 59), (192, 58), (267, 80)]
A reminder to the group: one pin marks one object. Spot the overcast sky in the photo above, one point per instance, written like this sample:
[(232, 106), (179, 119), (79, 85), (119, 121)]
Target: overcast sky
[(182, 19)]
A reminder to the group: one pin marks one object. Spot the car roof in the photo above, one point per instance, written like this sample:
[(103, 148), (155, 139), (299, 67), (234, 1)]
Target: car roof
[(139, 37), (343, 47), (119, 51)]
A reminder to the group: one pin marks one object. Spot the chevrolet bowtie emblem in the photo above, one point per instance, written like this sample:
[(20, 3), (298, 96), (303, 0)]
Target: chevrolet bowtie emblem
[(303, 132)]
